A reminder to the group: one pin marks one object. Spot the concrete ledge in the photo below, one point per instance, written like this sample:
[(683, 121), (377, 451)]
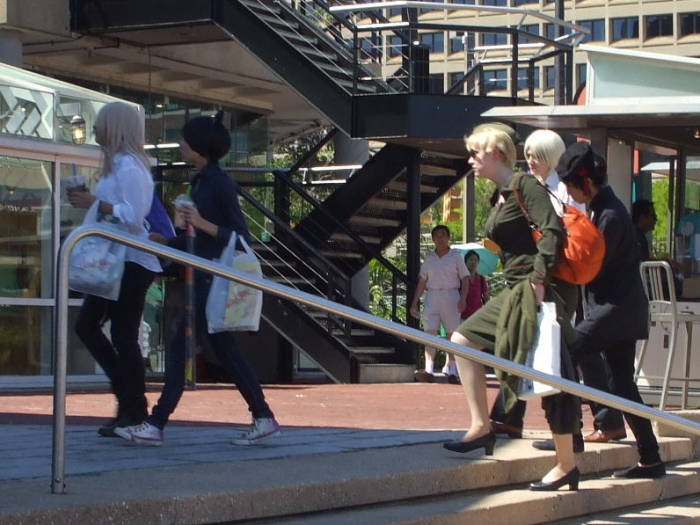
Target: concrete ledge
[(663, 430)]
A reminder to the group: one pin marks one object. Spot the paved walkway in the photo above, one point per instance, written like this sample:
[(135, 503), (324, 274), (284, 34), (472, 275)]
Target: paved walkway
[(315, 419)]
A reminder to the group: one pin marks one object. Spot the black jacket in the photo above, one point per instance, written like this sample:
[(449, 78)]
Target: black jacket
[(216, 196), (615, 306)]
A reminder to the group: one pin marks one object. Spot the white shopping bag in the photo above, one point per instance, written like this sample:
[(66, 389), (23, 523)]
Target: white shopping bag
[(545, 354), (96, 263), (231, 306)]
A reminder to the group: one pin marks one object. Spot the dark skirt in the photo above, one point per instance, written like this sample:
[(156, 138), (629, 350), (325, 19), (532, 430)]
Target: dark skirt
[(562, 411)]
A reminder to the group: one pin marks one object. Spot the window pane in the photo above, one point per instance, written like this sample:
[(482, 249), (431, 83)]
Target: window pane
[(436, 83), (26, 226), (690, 23), (494, 39), (502, 3), (495, 80), (533, 29), (395, 46), (453, 78), (658, 25), (435, 41), (581, 71), (549, 77), (625, 28), (456, 44), (597, 29), (522, 78), (471, 2)]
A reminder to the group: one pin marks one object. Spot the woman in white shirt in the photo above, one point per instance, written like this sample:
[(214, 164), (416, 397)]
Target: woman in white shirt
[(125, 191)]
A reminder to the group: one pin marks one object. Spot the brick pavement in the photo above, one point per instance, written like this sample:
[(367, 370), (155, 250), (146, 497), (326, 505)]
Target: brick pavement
[(315, 419)]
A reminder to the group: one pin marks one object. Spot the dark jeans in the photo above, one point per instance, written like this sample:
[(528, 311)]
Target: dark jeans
[(227, 352), (121, 358)]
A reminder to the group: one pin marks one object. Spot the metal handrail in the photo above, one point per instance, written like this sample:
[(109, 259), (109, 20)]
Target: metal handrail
[(358, 316)]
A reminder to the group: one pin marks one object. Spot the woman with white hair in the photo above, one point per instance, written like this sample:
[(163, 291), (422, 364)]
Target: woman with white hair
[(125, 191)]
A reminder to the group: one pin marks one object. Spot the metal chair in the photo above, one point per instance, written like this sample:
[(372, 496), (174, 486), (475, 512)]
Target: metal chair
[(657, 279)]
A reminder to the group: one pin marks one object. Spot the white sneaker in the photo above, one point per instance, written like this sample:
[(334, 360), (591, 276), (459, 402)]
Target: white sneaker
[(143, 434), (261, 429)]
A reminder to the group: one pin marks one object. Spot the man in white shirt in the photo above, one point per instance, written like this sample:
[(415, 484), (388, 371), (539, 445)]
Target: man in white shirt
[(444, 275)]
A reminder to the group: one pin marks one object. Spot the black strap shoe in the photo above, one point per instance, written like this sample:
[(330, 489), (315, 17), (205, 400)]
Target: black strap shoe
[(657, 470)]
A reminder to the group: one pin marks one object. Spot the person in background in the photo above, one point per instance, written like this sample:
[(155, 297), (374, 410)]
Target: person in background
[(616, 310), (214, 215), (478, 291), (644, 219), (124, 190), (444, 275), (507, 324)]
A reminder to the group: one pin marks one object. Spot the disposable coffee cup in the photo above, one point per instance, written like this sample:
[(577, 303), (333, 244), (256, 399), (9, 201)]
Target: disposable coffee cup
[(183, 201)]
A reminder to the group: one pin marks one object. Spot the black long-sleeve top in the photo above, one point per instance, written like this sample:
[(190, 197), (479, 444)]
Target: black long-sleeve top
[(216, 196), (614, 302)]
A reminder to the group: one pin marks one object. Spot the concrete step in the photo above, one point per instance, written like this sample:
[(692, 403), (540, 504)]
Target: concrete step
[(518, 506), (676, 511), (338, 482), (386, 373), (372, 350)]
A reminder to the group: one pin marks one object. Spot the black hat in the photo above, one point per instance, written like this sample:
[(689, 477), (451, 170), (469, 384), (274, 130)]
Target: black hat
[(207, 136), (577, 161)]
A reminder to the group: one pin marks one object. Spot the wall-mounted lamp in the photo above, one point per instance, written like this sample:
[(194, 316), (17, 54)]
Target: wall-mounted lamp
[(696, 135), (77, 129)]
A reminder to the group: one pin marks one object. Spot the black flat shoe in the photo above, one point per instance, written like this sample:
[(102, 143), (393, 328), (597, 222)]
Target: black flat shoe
[(571, 478), (642, 472), (487, 442)]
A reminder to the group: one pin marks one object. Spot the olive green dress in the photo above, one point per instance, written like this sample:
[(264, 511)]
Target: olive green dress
[(522, 258)]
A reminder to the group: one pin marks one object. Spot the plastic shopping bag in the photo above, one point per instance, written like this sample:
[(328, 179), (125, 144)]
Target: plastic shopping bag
[(545, 354), (96, 263), (232, 306)]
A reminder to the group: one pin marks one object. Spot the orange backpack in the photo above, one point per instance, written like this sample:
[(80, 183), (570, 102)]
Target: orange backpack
[(583, 250)]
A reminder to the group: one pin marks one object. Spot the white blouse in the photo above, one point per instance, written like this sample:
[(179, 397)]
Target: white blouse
[(558, 188), (129, 189)]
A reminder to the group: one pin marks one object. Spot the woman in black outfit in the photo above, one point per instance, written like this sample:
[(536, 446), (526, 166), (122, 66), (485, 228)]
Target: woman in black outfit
[(616, 311), (215, 215)]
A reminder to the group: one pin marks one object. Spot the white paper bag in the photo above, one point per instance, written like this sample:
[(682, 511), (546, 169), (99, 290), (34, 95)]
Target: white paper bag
[(545, 354), (96, 263), (232, 306)]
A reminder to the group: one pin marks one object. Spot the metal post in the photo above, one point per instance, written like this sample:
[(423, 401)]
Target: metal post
[(559, 73), (514, 64), (413, 211)]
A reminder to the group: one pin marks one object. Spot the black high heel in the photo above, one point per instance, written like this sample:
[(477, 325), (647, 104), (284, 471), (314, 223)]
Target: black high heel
[(571, 478), (487, 442)]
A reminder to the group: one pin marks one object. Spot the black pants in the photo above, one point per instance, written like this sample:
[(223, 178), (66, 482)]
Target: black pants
[(227, 351), (121, 357), (619, 356), (596, 374)]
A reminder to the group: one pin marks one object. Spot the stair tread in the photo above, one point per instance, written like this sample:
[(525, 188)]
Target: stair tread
[(519, 505), (354, 332), (278, 21), (366, 220), (339, 236), (387, 204), (294, 36), (403, 186), (342, 254)]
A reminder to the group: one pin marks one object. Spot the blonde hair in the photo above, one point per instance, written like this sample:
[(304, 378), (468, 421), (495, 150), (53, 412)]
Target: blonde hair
[(121, 128), (493, 138), (546, 146)]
